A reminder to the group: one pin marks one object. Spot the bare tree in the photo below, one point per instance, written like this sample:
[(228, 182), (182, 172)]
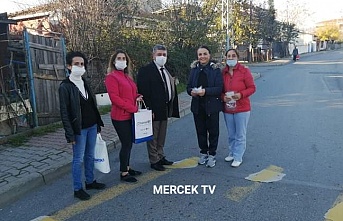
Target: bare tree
[(293, 12), (92, 26)]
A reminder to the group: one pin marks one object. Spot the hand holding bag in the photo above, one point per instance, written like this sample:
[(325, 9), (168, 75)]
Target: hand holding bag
[(142, 124), (101, 161)]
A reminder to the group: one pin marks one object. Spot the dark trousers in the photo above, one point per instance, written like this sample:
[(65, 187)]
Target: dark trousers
[(207, 128), (124, 131)]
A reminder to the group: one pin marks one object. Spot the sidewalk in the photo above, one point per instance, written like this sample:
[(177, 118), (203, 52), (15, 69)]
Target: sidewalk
[(276, 62), (43, 159)]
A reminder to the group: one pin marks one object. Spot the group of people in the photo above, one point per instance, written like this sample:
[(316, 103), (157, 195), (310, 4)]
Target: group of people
[(81, 119), (213, 89)]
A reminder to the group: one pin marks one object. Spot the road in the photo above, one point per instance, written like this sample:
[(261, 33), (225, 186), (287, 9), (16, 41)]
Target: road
[(294, 140)]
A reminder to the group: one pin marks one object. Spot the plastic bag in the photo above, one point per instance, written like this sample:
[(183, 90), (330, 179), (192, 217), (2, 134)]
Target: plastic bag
[(101, 161)]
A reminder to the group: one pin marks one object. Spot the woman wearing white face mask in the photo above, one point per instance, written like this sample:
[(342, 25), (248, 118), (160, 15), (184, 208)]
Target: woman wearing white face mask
[(122, 91), (81, 121), (238, 87)]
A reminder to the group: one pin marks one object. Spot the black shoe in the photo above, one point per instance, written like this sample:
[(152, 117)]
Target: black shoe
[(164, 161), (95, 185), (82, 195), (128, 178), (134, 172), (158, 166)]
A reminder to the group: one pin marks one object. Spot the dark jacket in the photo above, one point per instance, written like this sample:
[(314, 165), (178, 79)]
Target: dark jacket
[(151, 86), (295, 51), (70, 108), (212, 92)]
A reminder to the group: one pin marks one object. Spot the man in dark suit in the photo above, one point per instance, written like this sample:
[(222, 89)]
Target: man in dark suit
[(158, 88)]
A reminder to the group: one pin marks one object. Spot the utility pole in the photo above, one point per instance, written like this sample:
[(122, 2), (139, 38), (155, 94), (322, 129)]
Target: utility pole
[(225, 21), (250, 37)]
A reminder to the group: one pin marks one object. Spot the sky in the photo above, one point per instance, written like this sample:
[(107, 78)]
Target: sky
[(326, 10)]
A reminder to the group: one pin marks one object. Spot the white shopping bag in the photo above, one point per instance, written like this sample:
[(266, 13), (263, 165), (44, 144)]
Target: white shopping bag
[(142, 125), (101, 161)]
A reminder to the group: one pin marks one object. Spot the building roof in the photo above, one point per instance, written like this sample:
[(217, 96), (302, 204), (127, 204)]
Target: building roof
[(33, 12)]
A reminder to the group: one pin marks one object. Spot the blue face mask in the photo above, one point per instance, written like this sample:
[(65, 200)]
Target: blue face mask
[(231, 63)]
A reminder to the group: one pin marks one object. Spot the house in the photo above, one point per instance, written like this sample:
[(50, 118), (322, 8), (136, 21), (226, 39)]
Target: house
[(33, 64), (13, 103), (305, 42)]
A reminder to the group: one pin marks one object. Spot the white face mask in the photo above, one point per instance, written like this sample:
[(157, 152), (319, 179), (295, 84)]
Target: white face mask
[(120, 65), (161, 60), (77, 71), (231, 63)]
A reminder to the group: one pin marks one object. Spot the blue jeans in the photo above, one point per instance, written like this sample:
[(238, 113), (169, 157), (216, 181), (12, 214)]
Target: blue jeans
[(236, 125), (83, 150)]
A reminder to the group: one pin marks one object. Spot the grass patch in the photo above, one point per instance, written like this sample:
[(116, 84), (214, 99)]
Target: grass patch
[(181, 87), (104, 109), (21, 138), (17, 140), (40, 131)]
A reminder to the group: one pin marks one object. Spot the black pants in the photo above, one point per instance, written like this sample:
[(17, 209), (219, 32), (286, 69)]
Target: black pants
[(124, 131), (207, 128)]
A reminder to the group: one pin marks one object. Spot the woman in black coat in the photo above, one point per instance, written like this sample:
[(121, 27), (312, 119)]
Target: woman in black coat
[(205, 85)]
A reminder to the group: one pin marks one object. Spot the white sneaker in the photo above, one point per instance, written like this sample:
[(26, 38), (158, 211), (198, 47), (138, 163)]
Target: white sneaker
[(211, 161), (228, 158), (203, 159), (236, 163)]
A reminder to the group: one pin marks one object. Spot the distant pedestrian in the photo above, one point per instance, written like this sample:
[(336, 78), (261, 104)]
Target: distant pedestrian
[(295, 53), (81, 121), (238, 87), (205, 85), (157, 85), (122, 91)]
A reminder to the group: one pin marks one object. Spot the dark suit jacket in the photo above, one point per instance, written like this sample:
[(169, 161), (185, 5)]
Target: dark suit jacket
[(151, 86)]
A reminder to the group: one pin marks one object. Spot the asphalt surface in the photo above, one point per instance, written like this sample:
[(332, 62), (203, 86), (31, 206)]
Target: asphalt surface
[(44, 159)]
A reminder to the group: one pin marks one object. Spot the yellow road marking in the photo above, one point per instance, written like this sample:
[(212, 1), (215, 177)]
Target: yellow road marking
[(115, 191), (43, 218), (270, 174), (105, 195), (239, 193), (48, 219), (184, 164), (336, 212)]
